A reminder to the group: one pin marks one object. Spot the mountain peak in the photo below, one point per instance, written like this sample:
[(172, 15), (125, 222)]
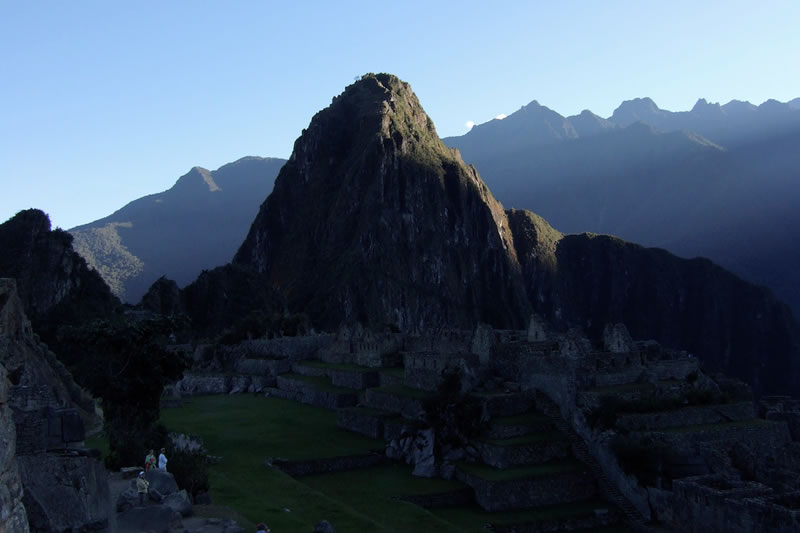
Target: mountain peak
[(371, 192), (197, 178), (638, 109)]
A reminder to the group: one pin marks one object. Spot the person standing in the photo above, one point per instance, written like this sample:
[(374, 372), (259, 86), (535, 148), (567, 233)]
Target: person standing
[(142, 487), (149, 461), (162, 460)]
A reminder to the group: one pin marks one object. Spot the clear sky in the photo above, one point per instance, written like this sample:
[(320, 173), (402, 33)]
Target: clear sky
[(104, 102)]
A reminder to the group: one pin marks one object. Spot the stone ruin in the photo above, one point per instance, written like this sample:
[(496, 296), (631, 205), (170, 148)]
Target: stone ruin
[(65, 486), (575, 375)]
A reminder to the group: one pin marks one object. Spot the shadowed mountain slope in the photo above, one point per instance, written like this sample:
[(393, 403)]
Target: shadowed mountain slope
[(194, 225), (53, 282), (374, 220), (716, 181)]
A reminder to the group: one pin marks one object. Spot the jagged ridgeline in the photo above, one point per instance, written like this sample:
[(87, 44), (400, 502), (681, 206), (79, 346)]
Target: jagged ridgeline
[(375, 220)]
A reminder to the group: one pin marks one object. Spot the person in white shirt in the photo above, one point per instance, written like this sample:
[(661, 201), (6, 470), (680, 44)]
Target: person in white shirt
[(162, 460)]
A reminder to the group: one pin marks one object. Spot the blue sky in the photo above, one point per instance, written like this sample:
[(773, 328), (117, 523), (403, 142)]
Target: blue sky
[(105, 102)]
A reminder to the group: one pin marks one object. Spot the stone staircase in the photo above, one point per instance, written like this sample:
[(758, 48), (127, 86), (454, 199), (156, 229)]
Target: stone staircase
[(633, 517)]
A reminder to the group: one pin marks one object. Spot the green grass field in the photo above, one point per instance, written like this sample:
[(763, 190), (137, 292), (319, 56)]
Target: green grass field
[(245, 430)]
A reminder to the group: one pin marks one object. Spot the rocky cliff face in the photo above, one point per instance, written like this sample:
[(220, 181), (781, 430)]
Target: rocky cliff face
[(375, 220), (13, 518), (64, 487), (590, 280), (53, 281)]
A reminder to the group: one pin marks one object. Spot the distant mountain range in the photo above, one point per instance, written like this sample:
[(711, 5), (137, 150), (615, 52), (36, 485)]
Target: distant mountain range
[(195, 225), (719, 181)]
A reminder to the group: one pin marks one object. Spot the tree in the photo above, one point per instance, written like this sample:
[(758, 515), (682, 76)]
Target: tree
[(124, 362)]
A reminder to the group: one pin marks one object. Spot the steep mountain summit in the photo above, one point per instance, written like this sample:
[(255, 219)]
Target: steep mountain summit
[(197, 176), (374, 219)]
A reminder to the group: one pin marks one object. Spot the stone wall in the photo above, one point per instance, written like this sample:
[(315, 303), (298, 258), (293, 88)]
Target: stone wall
[(293, 348), (13, 518), (687, 416), (423, 370), (782, 408), (444, 340), (714, 504), (66, 492), (763, 435), (205, 384), (408, 406), (529, 492)]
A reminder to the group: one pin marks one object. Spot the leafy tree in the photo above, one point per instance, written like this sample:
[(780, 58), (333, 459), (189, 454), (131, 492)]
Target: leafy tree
[(124, 362)]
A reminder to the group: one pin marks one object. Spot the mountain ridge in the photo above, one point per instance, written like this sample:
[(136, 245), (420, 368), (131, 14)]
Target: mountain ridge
[(194, 225)]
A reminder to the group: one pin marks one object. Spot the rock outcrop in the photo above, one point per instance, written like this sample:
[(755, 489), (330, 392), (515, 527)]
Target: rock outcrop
[(371, 193), (13, 518), (65, 486)]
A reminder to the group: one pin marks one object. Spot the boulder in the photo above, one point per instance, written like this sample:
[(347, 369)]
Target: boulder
[(179, 501), (127, 499), (152, 518), (161, 482), (415, 448)]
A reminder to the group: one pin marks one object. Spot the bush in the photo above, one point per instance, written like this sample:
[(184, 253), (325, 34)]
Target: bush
[(190, 468)]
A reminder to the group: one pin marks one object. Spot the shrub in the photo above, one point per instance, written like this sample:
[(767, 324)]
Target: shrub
[(190, 468)]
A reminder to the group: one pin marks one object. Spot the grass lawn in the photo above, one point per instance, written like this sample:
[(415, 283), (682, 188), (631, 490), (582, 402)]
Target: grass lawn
[(244, 430), (320, 383), (371, 490), (473, 519)]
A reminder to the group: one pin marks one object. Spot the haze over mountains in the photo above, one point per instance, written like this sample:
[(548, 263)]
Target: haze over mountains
[(197, 224), (719, 181)]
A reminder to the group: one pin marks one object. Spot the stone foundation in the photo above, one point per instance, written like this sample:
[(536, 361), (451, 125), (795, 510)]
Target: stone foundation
[(407, 406), (368, 422), (306, 392), (507, 456), (530, 492), (688, 416)]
